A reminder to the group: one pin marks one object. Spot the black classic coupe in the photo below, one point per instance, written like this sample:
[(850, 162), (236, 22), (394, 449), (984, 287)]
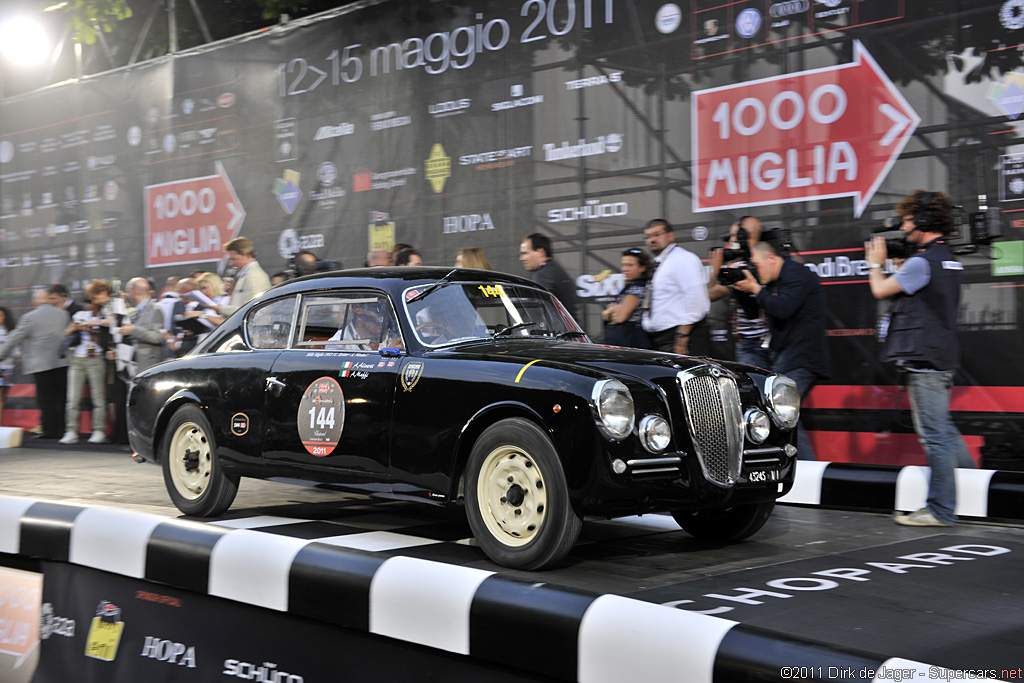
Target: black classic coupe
[(465, 387)]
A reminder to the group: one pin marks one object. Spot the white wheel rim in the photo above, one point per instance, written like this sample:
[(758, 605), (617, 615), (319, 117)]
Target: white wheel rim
[(512, 496), (190, 460)]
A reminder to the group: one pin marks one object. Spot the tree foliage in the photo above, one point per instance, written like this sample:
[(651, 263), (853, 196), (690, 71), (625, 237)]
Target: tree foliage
[(86, 18)]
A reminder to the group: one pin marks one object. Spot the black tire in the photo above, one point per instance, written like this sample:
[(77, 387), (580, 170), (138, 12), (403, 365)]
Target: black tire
[(727, 524), (193, 474), (517, 502)]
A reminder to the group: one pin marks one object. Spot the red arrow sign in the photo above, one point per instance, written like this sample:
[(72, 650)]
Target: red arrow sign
[(188, 221), (818, 134)]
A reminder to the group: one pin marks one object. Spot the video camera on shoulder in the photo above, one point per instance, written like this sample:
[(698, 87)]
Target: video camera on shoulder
[(896, 245)]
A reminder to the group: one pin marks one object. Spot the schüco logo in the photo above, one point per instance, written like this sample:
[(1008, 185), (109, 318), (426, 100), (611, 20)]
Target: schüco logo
[(789, 8), (592, 209), (267, 671)]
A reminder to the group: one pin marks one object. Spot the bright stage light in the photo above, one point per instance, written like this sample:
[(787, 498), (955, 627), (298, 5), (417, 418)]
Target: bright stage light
[(23, 41)]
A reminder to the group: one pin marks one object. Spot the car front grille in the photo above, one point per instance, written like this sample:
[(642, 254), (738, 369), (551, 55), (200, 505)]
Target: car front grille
[(712, 403)]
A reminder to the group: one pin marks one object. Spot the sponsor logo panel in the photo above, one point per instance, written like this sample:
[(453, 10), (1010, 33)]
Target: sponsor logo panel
[(603, 144)]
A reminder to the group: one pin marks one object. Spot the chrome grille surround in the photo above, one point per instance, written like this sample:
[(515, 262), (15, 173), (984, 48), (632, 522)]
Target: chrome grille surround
[(715, 421)]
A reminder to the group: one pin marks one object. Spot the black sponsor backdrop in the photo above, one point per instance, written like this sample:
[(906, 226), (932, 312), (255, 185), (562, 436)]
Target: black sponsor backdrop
[(358, 129), (199, 638)]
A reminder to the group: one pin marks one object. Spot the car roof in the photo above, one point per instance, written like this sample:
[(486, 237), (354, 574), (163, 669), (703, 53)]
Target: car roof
[(393, 280)]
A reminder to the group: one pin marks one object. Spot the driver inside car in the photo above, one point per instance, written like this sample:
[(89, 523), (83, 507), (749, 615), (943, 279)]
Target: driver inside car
[(371, 326)]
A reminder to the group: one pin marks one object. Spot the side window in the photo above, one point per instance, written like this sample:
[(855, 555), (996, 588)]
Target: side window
[(270, 326), (348, 321)]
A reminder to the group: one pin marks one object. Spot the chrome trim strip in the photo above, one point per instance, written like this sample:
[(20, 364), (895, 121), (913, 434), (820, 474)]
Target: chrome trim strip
[(659, 470), (654, 461)]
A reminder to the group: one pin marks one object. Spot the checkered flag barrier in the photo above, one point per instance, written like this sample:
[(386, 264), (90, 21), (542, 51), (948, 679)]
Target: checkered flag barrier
[(574, 635)]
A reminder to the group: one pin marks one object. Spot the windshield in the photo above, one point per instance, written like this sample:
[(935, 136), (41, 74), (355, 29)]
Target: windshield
[(465, 311)]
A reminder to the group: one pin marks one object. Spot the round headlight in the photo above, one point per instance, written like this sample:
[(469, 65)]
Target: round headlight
[(783, 400), (655, 433), (758, 425), (613, 405)]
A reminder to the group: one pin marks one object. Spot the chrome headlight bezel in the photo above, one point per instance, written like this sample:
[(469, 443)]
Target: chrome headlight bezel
[(783, 399), (614, 409), (758, 425), (653, 429)]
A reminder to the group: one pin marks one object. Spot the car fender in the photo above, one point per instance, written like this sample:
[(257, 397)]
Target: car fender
[(481, 420), (170, 406)]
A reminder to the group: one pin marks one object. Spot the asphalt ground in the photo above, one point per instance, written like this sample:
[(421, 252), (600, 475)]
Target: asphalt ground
[(945, 596)]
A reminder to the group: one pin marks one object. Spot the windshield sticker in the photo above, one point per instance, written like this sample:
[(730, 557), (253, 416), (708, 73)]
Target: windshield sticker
[(411, 374), (321, 416), (492, 290)]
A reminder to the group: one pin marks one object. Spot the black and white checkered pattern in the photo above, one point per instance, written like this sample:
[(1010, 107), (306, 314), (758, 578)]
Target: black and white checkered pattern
[(573, 635), (980, 494)]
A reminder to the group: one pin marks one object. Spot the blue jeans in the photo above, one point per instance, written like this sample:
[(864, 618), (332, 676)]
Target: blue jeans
[(751, 353), (942, 442), (805, 380)]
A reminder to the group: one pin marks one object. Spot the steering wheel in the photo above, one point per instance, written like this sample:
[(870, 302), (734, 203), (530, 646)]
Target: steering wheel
[(444, 330)]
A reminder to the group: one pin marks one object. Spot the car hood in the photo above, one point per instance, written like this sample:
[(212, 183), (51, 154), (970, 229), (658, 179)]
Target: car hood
[(600, 358)]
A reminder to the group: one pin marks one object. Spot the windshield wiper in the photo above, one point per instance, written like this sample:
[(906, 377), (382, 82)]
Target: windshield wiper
[(501, 329), (571, 334), (431, 288)]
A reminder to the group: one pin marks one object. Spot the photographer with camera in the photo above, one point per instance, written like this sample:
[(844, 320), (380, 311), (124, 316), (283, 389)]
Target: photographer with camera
[(747, 320), (921, 337), (794, 303)]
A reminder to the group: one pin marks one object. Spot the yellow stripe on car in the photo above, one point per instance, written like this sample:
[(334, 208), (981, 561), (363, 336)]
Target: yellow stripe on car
[(520, 375)]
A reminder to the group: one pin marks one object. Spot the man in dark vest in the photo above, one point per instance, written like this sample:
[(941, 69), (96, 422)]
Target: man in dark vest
[(921, 337)]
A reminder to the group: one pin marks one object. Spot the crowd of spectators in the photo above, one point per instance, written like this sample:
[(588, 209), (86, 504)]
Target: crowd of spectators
[(777, 316)]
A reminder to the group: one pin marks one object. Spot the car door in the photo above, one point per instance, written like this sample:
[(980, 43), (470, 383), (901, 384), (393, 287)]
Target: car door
[(330, 393)]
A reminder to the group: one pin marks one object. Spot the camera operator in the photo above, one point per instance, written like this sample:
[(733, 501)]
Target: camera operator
[(921, 337), (747, 320), (794, 303)]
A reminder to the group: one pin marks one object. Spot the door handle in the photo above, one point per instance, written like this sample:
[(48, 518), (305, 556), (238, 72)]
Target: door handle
[(275, 385)]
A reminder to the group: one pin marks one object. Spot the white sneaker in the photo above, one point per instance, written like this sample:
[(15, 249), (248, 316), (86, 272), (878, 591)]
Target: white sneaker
[(69, 438), (922, 517), (98, 437)]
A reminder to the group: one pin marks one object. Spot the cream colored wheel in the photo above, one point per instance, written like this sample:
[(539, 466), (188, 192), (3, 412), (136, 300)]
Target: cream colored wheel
[(190, 460), (193, 474), (517, 501), (511, 496)]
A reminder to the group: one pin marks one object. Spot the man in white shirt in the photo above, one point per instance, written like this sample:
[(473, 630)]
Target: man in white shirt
[(678, 300)]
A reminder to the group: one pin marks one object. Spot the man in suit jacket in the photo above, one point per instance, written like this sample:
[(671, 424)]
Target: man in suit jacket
[(250, 279), (145, 331), (794, 301), (38, 334)]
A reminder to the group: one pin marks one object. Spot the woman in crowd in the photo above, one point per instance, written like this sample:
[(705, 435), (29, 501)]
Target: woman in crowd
[(622, 318), (7, 365), (472, 257)]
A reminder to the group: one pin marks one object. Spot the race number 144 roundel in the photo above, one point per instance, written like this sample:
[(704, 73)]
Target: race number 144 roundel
[(321, 416)]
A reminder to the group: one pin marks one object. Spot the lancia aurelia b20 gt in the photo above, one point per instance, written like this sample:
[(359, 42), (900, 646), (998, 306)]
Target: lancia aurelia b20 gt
[(465, 387)]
